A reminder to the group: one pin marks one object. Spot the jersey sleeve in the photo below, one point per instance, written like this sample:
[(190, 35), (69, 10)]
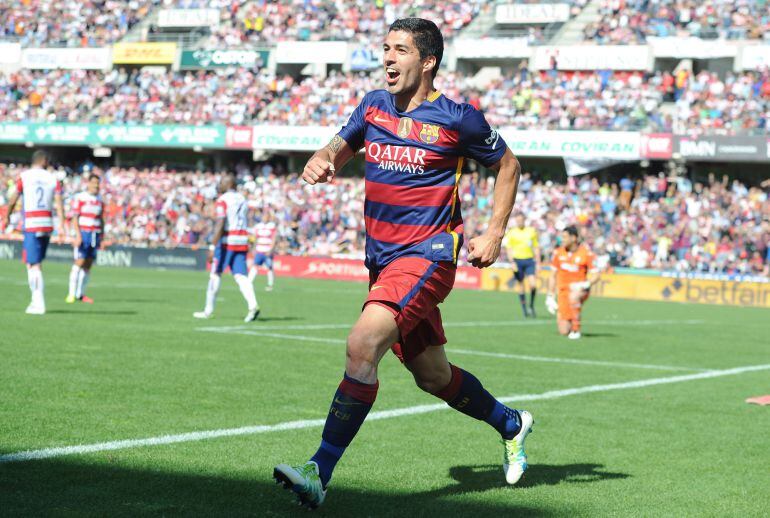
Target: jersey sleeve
[(19, 185), (534, 240), (221, 209), (555, 263), (478, 140), (354, 131), (57, 189), (591, 266)]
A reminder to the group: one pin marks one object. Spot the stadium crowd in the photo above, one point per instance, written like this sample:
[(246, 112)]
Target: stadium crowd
[(524, 99), (632, 21), (69, 23), (659, 222)]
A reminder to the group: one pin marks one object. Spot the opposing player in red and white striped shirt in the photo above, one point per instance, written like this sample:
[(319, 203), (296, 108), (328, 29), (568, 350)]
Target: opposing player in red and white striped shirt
[(265, 234), (88, 221), (229, 248), (40, 192)]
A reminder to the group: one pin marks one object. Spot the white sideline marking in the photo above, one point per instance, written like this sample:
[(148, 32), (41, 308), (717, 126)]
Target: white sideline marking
[(492, 323), (547, 359), (373, 416)]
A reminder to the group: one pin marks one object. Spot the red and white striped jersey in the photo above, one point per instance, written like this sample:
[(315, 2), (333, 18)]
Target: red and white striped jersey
[(88, 209), (37, 187), (233, 208), (264, 235)]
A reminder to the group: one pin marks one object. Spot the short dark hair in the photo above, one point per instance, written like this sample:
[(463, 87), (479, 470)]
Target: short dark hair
[(572, 230), (427, 37), (40, 156)]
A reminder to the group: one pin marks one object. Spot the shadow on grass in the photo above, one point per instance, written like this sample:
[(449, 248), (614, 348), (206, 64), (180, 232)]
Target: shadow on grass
[(276, 319), (92, 311), (66, 487), (482, 478), (600, 335)]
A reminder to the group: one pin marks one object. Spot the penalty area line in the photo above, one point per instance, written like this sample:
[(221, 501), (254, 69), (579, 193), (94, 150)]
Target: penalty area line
[(48, 453)]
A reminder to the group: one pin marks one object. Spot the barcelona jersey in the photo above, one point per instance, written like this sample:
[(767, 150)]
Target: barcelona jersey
[(414, 161)]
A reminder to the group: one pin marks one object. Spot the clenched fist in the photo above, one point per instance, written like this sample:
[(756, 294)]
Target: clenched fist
[(318, 170)]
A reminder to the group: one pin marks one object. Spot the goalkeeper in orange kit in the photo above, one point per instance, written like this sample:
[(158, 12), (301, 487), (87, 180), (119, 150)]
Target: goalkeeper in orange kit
[(573, 272)]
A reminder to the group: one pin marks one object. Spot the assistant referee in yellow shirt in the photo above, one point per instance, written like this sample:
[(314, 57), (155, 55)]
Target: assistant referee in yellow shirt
[(523, 249)]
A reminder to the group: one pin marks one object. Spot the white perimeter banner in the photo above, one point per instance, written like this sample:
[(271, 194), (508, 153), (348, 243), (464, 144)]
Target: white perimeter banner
[(619, 145), (492, 48), (531, 13), (79, 58), (694, 48), (301, 52), (188, 18), (755, 57), (10, 53), (594, 57), (292, 138)]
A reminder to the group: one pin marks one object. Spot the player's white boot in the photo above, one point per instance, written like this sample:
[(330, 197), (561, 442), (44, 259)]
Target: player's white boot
[(304, 481), (574, 335), (202, 314), (252, 315), (514, 458), (35, 309)]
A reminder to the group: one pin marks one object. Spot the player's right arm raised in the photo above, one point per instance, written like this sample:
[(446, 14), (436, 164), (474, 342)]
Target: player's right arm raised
[(324, 163)]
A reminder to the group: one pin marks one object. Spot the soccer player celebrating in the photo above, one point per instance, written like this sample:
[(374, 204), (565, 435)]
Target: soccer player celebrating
[(521, 242), (573, 272), (416, 141), (265, 233), (229, 248), (40, 193), (88, 223)]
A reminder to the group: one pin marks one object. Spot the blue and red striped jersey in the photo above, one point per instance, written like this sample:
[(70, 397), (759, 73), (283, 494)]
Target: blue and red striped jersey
[(413, 165)]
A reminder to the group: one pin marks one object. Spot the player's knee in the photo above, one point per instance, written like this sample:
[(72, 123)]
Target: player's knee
[(433, 382), (361, 350)]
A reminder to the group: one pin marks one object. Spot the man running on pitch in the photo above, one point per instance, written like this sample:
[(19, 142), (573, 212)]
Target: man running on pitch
[(415, 141)]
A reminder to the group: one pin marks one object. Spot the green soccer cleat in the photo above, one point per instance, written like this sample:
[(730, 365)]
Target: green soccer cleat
[(514, 458), (304, 481), (70, 299)]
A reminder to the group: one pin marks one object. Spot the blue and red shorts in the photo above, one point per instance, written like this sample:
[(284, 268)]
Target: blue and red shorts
[(35, 247), (412, 288), (233, 259)]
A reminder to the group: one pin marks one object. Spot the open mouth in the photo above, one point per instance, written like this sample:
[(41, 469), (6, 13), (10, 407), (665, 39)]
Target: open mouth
[(391, 75)]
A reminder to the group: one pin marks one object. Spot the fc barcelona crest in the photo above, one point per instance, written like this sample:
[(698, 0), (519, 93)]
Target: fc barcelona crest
[(404, 127), (429, 133)]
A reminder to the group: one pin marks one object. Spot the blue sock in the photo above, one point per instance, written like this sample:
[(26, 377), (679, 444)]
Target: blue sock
[(523, 302), (349, 408), (466, 394)]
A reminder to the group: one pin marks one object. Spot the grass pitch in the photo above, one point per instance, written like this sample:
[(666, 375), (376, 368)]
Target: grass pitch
[(136, 365)]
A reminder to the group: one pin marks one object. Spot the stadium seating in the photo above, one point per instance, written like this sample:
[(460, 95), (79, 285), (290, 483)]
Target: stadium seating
[(70, 23), (632, 21)]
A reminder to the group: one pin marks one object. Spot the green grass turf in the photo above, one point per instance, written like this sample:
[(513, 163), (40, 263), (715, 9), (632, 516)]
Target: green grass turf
[(134, 366)]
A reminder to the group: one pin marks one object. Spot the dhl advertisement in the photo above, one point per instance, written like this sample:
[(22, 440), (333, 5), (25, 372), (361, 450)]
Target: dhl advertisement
[(655, 288)]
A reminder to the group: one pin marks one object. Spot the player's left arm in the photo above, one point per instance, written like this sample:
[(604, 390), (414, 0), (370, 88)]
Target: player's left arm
[(59, 204), (484, 250), (11, 205), (536, 250), (485, 145)]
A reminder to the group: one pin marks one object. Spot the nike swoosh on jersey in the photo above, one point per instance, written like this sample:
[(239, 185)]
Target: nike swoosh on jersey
[(375, 288), (377, 118)]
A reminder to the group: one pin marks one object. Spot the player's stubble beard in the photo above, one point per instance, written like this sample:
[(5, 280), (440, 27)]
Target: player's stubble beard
[(407, 86)]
